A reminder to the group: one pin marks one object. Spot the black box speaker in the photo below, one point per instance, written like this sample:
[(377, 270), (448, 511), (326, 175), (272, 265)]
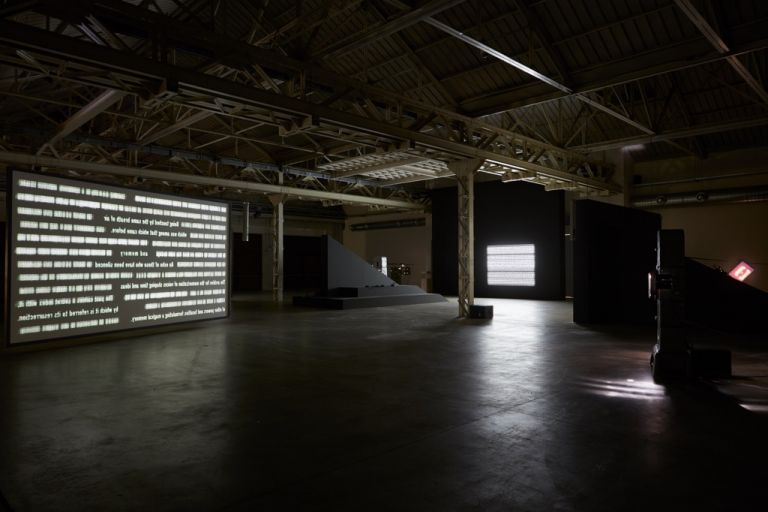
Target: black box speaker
[(483, 312)]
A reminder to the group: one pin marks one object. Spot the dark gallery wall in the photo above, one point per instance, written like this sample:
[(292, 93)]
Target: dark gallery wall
[(246, 263), (505, 213), (302, 265), (614, 249)]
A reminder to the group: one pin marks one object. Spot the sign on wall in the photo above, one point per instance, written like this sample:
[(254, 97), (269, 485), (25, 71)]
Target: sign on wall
[(741, 271)]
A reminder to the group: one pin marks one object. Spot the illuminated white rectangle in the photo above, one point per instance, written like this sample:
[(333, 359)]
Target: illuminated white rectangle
[(71, 239), (511, 265)]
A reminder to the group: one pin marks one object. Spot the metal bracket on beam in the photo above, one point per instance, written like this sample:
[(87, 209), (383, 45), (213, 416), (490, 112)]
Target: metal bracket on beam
[(560, 185), (165, 90), (295, 126), (521, 175), (404, 145)]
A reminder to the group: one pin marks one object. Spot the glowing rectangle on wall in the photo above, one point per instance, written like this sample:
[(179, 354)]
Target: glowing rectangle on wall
[(741, 271), (511, 265), (88, 258)]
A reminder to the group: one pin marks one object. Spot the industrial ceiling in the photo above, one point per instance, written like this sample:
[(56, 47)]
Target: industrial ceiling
[(363, 102)]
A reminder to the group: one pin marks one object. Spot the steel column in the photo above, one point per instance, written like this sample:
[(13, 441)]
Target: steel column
[(278, 219), (246, 221), (465, 177)]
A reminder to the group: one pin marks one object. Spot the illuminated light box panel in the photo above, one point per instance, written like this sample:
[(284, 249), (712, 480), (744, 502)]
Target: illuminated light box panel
[(88, 258), (511, 265), (741, 271)]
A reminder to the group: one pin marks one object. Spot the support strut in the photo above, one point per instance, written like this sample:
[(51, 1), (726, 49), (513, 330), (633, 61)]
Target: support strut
[(465, 177)]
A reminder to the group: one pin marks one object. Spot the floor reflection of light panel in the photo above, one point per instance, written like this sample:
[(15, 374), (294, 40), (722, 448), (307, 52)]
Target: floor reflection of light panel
[(751, 396), (629, 388), (760, 408)]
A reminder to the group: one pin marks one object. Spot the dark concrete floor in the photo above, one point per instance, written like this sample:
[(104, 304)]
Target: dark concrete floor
[(400, 408)]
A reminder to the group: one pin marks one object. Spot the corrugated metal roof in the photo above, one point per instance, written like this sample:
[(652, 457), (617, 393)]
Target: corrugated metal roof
[(577, 43)]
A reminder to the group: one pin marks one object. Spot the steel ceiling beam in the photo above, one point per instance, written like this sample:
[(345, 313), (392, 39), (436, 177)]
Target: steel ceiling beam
[(418, 61), (178, 125), (188, 154), (684, 55), (359, 40), (542, 34), (495, 53), (618, 115), (194, 179), (420, 171), (237, 53), (95, 107), (674, 134), (344, 173), (721, 46), (418, 177), (196, 83), (537, 75), (16, 8)]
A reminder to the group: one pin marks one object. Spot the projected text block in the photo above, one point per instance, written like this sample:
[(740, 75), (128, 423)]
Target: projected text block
[(87, 258)]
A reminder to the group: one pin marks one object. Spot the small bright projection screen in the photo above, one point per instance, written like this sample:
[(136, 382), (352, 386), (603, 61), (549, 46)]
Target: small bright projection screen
[(86, 258), (511, 265)]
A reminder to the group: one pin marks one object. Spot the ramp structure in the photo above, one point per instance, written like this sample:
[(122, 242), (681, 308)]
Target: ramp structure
[(351, 282), (718, 301)]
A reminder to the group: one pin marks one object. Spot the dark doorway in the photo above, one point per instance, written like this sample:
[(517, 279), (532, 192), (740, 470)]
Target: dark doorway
[(246, 263), (302, 262)]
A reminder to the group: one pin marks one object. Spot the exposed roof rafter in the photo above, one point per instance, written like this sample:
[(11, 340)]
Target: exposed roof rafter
[(722, 47), (359, 40)]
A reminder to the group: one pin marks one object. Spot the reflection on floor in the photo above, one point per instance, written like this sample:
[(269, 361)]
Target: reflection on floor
[(399, 408)]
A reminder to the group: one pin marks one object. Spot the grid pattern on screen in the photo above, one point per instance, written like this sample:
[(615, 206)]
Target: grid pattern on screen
[(511, 265)]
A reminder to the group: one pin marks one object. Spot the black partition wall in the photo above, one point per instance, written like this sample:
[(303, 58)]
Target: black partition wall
[(246, 263), (506, 214), (302, 263), (614, 250)]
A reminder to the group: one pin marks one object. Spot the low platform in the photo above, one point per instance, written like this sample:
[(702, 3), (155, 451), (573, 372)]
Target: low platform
[(368, 297), (351, 282), (376, 291)]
